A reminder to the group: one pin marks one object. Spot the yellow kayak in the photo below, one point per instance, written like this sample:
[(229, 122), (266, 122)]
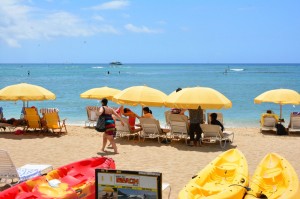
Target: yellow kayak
[(225, 177), (274, 178)]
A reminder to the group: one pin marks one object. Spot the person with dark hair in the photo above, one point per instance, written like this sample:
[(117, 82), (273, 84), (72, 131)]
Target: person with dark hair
[(214, 120), (109, 125), (269, 113), (147, 113), (131, 117), (178, 110), (196, 118)]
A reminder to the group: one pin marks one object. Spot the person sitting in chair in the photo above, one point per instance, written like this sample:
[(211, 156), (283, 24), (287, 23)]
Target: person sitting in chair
[(269, 113), (214, 120)]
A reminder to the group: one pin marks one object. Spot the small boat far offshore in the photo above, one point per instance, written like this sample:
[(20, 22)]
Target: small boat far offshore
[(115, 63), (237, 69)]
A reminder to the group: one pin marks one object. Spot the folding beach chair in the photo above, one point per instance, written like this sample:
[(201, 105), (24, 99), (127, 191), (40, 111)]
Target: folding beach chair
[(213, 133), (269, 124), (91, 115), (32, 118), (125, 130), (151, 129), (52, 120), (179, 127), (294, 122), (10, 175)]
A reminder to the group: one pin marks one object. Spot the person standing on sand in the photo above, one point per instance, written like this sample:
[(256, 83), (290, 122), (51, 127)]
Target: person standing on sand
[(109, 125), (196, 118)]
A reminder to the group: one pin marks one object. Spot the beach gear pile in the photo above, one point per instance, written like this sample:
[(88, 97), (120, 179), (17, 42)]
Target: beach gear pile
[(227, 177)]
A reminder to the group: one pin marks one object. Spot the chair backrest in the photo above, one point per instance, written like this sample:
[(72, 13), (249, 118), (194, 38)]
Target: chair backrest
[(295, 122), (150, 126), (120, 128), (167, 114), (178, 123), (32, 117), (269, 122), (91, 112), (8, 170), (219, 117), (211, 130)]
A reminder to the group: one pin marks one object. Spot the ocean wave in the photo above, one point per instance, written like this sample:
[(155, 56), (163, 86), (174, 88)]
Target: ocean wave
[(237, 69), (97, 67)]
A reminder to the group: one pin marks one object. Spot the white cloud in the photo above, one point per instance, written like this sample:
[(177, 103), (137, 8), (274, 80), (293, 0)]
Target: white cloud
[(98, 18), (111, 5), (17, 23), (142, 29)]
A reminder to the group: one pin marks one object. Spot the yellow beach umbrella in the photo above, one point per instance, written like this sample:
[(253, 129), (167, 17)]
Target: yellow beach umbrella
[(140, 95), (192, 98), (25, 92), (279, 96), (99, 93)]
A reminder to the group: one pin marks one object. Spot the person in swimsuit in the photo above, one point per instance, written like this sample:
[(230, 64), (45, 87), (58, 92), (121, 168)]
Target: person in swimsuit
[(109, 125)]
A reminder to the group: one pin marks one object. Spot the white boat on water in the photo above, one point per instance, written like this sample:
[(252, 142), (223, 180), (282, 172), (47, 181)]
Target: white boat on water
[(237, 69)]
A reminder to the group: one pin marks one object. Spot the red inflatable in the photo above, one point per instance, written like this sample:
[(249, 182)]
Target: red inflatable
[(75, 180)]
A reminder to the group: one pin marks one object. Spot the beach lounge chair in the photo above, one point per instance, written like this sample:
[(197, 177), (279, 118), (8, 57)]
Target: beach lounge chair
[(268, 124), (32, 118), (151, 129), (213, 133), (219, 117), (91, 115), (294, 122), (52, 121), (126, 130), (179, 127), (10, 175), (167, 114)]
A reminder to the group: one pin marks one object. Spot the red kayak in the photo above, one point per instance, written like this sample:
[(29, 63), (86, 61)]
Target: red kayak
[(72, 181)]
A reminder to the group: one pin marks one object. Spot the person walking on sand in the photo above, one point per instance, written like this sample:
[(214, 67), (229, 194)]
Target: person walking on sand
[(109, 125)]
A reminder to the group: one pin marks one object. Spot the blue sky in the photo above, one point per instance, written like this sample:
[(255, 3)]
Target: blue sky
[(143, 31)]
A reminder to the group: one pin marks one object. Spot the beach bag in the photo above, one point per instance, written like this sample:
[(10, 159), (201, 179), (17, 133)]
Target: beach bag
[(100, 126), (281, 130)]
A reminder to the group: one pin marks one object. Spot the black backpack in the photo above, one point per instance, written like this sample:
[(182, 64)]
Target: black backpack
[(281, 130)]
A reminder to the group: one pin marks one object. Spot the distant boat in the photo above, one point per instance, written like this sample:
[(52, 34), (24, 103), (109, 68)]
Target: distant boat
[(115, 63), (237, 69)]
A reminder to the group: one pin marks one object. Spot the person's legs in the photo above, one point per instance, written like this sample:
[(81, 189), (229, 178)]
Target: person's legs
[(104, 141), (113, 143), (198, 134), (192, 133)]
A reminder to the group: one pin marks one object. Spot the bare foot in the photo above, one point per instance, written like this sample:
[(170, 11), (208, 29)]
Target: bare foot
[(103, 150), (117, 152)]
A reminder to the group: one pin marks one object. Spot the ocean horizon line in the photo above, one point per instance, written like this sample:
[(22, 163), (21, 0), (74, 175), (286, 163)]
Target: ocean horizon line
[(137, 63)]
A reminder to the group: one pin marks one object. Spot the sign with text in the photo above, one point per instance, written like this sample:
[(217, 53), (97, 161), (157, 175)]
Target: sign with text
[(122, 184)]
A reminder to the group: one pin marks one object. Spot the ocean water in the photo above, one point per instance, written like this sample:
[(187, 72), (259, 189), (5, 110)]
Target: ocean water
[(241, 84)]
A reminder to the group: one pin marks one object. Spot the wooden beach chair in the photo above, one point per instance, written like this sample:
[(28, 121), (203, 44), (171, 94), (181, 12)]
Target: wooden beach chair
[(32, 119), (125, 130), (10, 175), (52, 120), (213, 133)]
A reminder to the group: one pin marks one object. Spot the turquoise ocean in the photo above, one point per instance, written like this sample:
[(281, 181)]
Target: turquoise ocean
[(241, 84)]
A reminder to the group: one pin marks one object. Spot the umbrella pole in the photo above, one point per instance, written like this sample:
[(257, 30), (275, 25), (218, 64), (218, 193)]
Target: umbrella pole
[(280, 111)]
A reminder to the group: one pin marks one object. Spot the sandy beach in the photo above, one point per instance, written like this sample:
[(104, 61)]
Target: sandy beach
[(176, 161)]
